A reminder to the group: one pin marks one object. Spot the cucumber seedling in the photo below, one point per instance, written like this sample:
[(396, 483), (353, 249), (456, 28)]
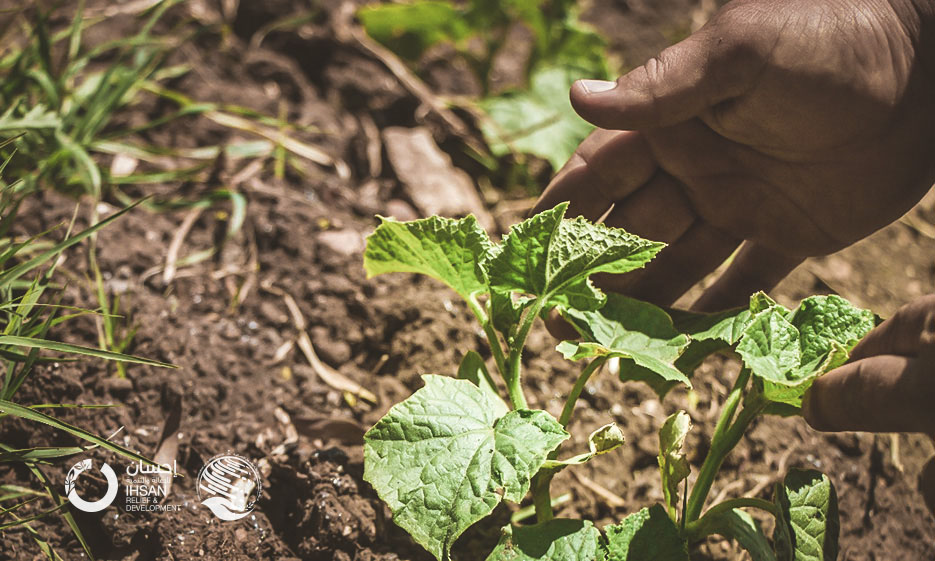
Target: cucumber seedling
[(444, 458)]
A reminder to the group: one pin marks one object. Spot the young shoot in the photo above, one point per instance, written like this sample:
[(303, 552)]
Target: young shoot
[(444, 458)]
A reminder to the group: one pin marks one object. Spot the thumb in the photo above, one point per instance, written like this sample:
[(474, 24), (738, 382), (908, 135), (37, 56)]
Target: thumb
[(710, 66), (882, 393)]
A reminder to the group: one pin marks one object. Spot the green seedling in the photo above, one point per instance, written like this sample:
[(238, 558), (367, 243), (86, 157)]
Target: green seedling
[(444, 458)]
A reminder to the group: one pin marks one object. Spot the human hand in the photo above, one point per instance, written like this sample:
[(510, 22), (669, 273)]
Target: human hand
[(799, 126), (888, 385)]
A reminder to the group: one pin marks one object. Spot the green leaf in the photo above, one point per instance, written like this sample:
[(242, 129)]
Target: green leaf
[(808, 527), (410, 29), (737, 525), (443, 248), (443, 458), (551, 258), (825, 320), (506, 312), (787, 351), (603, 440), (641, 334), (607, 438), (644, 535), (538, 120), (673, 466), (556, 540), (727, 326), (473, 369)]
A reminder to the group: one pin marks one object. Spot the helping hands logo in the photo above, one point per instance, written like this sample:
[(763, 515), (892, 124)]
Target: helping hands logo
[(232, 485)]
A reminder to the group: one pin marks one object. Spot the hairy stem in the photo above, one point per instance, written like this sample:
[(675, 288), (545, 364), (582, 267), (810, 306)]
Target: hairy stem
[(541, 499), (569, 408), (541, 495), (492, 339), (726, 436), (514, 374), (698, 530)]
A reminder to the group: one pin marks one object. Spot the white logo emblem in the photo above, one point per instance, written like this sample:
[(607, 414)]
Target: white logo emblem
[(230, 485), (90, 506)]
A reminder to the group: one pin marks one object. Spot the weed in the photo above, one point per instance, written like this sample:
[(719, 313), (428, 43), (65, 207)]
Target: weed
[(28, 310)]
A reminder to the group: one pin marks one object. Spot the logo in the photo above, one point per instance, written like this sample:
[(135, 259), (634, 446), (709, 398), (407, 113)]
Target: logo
[(90, 506), (229, 485)]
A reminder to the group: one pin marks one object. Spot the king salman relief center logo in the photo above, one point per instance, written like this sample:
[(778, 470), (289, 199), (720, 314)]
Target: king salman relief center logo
[(229, 485)]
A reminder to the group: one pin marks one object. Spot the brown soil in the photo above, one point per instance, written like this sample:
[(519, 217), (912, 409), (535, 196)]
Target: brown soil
[(224, 322)]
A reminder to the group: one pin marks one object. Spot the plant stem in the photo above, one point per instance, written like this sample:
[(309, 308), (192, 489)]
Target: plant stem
[(726, 436), (541, 499), (541, 496), (515, 365), (569, 408), (696, 530), (495, 349), (527, 511)]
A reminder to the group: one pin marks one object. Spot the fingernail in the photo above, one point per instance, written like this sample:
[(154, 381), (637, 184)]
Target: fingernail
[(597, 86)]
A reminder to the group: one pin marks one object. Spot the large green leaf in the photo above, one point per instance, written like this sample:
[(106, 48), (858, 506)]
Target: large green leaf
[(786, 352), (673, 466), (443, 248), (538, 120), (556, 540), (644, 535), (443, 458), (552, 258), (641, 334), (808, 526)]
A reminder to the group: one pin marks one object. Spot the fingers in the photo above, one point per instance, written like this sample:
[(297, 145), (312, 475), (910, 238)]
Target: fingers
[(885, 393), (608, 166), (754, 268), (677, 268), (712, 65), (658, 211), (899, 335), (559, 328)]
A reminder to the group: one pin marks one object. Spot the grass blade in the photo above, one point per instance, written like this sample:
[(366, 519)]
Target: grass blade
[(14, 273), (29, 414), (78, 349)]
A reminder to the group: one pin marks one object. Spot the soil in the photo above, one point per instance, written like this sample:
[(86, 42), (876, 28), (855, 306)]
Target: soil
[(243, 385)]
